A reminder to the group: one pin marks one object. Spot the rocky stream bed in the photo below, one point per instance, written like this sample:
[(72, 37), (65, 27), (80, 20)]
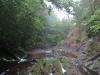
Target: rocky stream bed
[(53, 62)]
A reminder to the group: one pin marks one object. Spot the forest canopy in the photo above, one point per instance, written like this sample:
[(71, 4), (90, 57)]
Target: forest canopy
[(28, 25)]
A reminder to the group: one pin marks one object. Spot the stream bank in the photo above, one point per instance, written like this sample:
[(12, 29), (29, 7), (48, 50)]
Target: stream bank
[(53, 62)]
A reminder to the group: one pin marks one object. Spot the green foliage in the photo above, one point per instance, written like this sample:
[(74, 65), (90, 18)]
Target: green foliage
[(57, 31), (48, 68), (25, 25), (21, 28), (94, 25)]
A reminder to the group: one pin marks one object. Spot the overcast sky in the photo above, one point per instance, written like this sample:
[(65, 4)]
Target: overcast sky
[(61, 14)]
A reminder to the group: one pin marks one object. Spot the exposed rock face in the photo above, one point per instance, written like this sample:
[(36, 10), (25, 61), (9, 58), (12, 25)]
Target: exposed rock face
[(76, 42), (84, 48)]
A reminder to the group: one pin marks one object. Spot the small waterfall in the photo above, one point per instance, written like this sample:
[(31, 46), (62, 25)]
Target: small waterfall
[(50, 73), (63, 70)]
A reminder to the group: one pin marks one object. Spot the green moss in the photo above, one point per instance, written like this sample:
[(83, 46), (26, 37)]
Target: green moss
[(93, 49), (49, 63), (78, 40)]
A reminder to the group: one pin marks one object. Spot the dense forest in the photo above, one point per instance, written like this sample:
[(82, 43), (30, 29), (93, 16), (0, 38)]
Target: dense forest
[(23, 28), (29, 25)]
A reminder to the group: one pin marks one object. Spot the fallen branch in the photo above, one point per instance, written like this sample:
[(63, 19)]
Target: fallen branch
[(94, 57)]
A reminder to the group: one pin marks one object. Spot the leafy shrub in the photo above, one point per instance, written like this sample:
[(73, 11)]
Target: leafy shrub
[(94, 24)]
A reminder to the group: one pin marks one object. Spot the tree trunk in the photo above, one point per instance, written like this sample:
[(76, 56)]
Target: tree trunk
[(97, 3)]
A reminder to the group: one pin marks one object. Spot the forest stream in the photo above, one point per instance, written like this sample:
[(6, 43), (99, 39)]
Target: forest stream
[(49, 64), (49, 37)]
